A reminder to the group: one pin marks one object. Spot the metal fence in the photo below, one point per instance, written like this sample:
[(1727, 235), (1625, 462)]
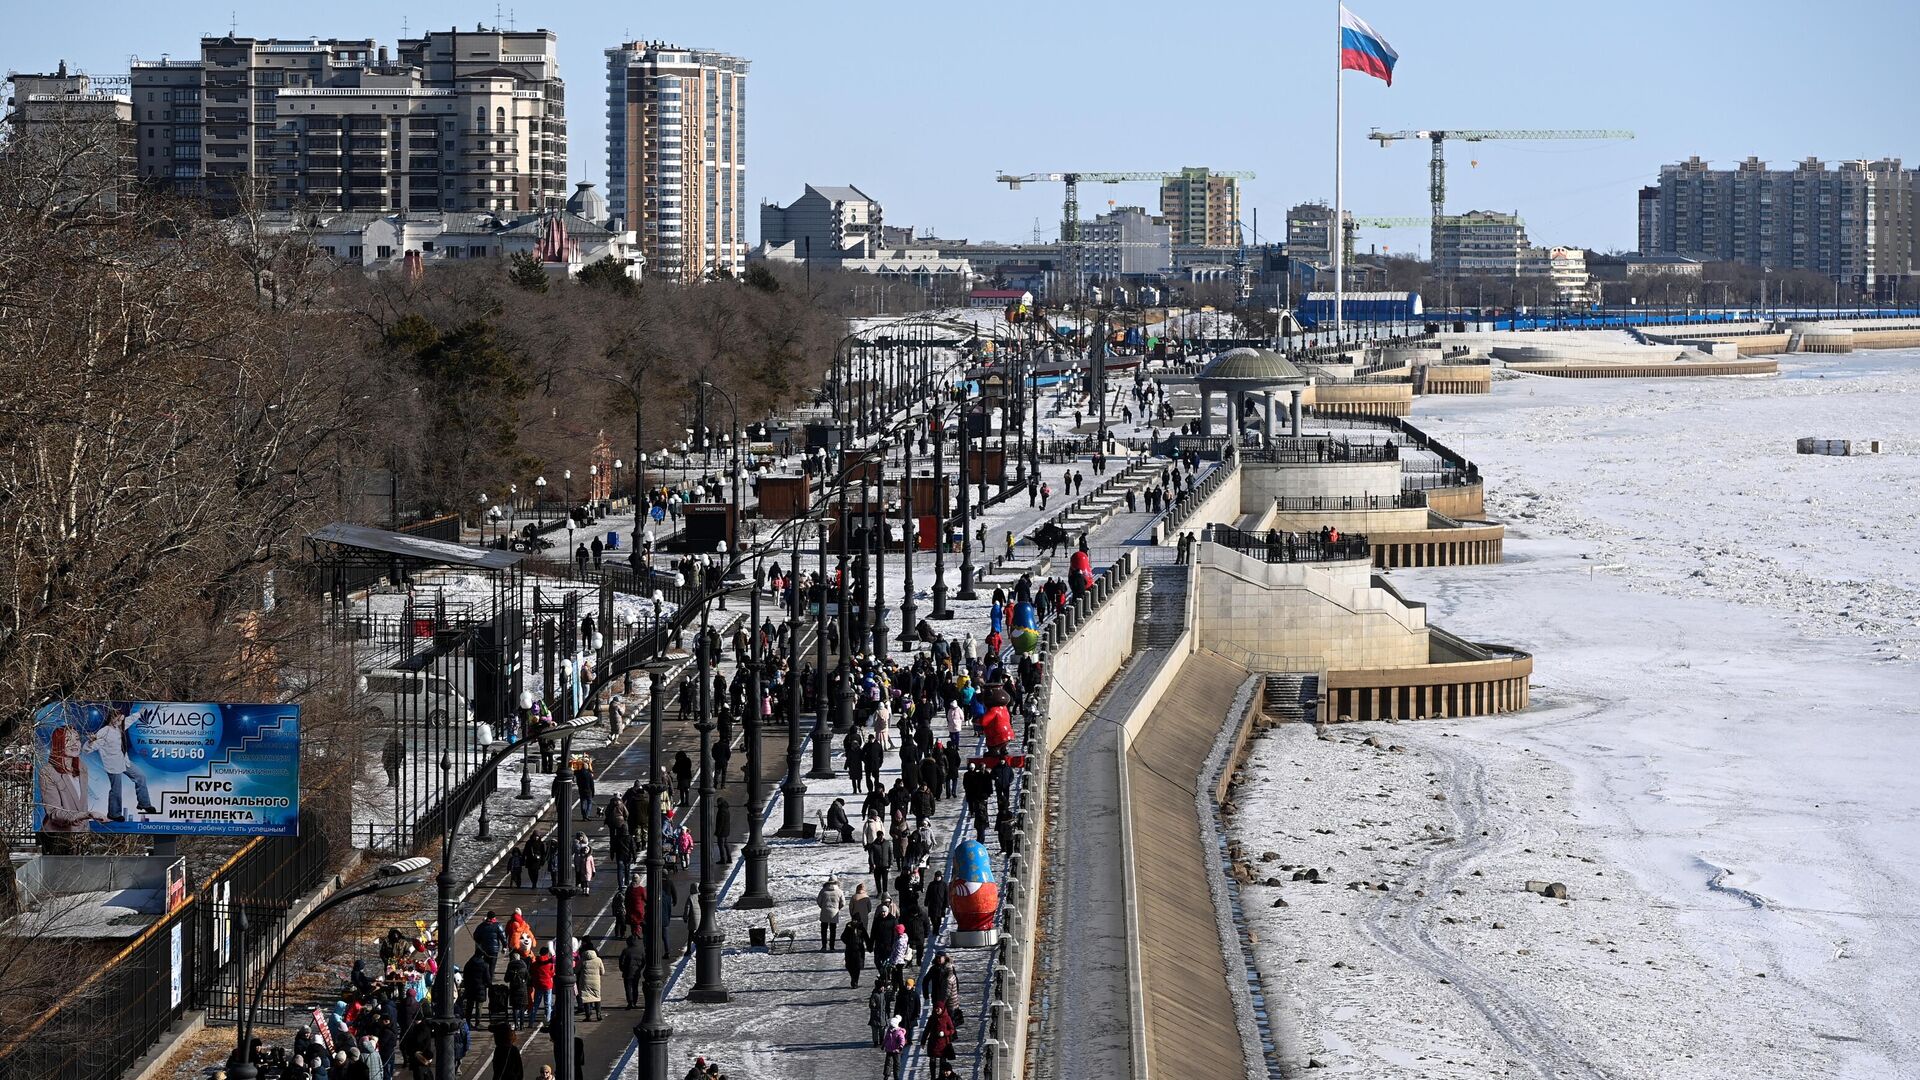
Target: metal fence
[(1283, 547), (1405, 500), (1306, 451), (120, 1008)]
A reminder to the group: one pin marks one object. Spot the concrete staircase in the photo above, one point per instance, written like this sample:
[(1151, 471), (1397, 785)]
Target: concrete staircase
[(1288, 695), (1161, 616)]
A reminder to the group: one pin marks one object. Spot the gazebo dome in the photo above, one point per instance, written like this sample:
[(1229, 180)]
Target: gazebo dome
[(1252, 367), (588, 203)]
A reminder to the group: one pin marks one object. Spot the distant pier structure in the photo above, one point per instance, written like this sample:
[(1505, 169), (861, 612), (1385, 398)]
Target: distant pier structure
[(1836, 447)]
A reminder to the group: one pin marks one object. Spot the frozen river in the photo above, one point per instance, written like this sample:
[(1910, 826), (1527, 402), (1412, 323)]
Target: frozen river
[(1720, 763)]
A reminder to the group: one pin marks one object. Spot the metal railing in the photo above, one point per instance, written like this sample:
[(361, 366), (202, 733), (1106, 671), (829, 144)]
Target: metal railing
[(1286, 547), (1444, 478), (117, 1009), (1405, 500), (1325, 451)]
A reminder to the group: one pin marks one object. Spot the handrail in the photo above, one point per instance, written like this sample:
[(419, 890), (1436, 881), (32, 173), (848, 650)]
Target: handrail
[(1324, 451), (1284, 547), (1405, 500)]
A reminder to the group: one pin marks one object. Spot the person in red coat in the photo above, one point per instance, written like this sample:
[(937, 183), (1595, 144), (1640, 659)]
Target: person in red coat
[(636, 906), (542, 967), (939, 1037)]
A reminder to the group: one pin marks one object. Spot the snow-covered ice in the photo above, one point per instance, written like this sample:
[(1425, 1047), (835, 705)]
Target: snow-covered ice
[(1725, 696)]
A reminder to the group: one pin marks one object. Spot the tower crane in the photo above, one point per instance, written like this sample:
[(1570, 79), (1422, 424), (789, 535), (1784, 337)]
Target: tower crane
[(1070, 211), (1437, 169)]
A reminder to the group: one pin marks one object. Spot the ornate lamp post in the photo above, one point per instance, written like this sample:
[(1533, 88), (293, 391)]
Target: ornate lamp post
[(822, 732), (708, 987), (653, 1031), (878, 531), (563, 890), (756, 895), (966, 508), (539, 496), (940, 610), (908, 609), (793, 792)]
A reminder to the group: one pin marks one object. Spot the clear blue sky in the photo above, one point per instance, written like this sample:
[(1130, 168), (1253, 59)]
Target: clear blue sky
[(921, 104)]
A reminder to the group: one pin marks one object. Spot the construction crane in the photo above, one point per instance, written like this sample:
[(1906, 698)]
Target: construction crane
[(1437, 170), (1070, 211), (1356, 222)]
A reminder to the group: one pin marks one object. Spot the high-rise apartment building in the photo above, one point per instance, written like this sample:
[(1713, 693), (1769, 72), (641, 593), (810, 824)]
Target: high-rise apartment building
[(1310, 232), (677, 155), (456, 120), (87, 130), (1856, 223), (1480, 242), (1202, 209), (1126, 241), (1648, 219), (826, 222)]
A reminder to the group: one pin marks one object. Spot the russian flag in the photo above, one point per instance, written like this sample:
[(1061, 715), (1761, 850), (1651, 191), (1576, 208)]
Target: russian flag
[(1363, 50)]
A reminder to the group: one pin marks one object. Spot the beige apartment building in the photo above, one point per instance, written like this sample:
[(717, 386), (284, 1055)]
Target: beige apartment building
[(453, 121), (677, 156), (1202, 209)]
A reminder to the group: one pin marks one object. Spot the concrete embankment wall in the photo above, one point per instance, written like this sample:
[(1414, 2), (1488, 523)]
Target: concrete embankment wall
[(1261, 483), (1089, 660), (1325, 610)]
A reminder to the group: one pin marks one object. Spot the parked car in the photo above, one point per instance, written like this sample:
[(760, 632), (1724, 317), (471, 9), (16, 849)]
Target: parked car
[(415, 694)]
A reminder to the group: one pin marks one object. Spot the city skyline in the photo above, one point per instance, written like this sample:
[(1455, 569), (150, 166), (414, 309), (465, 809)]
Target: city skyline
[(926, 141)]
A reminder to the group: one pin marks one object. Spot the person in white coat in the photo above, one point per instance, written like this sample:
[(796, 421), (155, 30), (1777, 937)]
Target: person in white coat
[(114, 743), (833, 901)]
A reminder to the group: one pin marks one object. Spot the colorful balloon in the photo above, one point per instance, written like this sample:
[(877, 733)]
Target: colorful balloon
[(996, 725), (973, 897), (1026, 628)]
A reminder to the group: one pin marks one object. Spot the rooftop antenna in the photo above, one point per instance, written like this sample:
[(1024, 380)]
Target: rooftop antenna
[(233, 22)]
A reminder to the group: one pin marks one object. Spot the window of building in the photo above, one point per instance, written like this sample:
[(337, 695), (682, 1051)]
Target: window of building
[(383, 251), (353, 252)]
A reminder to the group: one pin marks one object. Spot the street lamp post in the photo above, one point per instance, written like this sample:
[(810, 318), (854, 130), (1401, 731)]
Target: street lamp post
[(444, 1022), (539, 497), (878, 530), (822, 742), (563, 890), (707, 987), (385, 883), (653, 1031), (940, 610), (793, 792), (908, 609), (966, 508), (756, 895)]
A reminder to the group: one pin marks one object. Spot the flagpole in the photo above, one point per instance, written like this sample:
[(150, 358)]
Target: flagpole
[(1338, 234)]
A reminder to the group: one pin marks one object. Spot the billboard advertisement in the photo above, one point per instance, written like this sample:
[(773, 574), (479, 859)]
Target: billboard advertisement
[(167, 767)]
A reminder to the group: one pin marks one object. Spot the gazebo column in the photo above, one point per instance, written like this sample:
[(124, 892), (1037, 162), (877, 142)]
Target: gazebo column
[(1296, 414), (1273, 424), (1206, 410)]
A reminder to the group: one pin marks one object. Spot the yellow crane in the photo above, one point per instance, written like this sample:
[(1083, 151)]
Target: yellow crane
[(1437, 169), (1070, 211)]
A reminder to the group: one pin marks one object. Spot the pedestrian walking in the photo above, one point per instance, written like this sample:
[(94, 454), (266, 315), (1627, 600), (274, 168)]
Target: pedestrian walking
[(833, 901), (894, 1043), (633, 966), (854, 937)]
